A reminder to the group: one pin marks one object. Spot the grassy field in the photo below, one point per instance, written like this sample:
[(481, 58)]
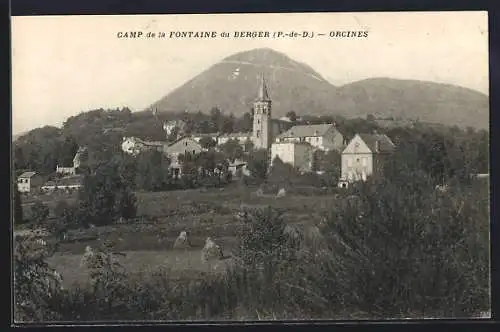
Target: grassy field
[(179, 264), (148, 241)]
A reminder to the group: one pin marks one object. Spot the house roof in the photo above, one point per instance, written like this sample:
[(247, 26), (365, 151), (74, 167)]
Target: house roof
[(262, 94), (211, 135), (237, 163), (27, 174), (306, 131), (236, 135), (175, 144), (384, 143)]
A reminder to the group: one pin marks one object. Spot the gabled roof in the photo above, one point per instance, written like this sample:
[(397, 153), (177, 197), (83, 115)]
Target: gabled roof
[(384, 143), (27, 174), (306, 131), (174, 144)]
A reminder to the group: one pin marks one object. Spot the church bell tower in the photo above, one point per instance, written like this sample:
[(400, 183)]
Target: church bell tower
[(262, 128)]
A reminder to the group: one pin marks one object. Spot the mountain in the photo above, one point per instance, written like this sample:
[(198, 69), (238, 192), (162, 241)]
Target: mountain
[(232, 83), (411, 99)]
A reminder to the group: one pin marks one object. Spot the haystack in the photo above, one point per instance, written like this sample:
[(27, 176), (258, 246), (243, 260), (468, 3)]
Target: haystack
[(292, 231), (182, 241), (259, 192), (87, 256), (211, 251), (281, 193)]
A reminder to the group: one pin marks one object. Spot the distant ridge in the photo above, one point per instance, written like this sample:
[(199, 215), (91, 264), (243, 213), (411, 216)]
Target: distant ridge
[(231, 85)]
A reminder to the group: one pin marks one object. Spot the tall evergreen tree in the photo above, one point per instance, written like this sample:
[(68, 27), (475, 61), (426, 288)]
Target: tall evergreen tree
[(18, 209)]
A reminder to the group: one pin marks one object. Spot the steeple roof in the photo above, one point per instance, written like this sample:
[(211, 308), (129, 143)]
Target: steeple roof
[(262, 94)]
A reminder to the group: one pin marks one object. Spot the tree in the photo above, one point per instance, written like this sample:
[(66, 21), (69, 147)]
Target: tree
[(67, 151), (18, 209), (245, 123), (248, 146), (66, 218), (39, 212), (292, 116), (152, 171), (281, 173), (216, 119), (329, 161), (257, 163), (228, 124), (105, 196), (206, 160), (207, 142), (232, 149)]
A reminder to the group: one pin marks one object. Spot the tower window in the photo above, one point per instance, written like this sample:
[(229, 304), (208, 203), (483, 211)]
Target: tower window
[(258, 121), (258, 133)]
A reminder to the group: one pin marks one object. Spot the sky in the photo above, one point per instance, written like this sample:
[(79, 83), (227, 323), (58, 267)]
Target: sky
[(64, 65)]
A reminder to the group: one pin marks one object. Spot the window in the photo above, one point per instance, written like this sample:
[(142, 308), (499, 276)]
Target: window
[(258, 121), (357, 160), (364, 161), (258, 133), (194, 152)]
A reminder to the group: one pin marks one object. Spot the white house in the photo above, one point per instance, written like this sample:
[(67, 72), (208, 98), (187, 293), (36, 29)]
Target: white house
[(240, 137), (183, 146), (77, 161), (238, 168), (364, 156), (323, 136), (299, 155), (134, 146), (28, 181)]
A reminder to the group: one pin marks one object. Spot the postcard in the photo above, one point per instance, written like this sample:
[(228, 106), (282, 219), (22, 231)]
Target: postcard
[(250, 167)]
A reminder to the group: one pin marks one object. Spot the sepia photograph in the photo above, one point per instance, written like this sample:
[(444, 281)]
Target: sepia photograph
[(250, 167)]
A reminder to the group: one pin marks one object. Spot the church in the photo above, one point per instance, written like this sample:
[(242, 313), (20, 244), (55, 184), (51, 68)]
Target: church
[(265, 128)]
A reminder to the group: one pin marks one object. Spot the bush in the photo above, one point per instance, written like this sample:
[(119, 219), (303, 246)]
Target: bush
[(411, 251), (35, 282), (39, 212)]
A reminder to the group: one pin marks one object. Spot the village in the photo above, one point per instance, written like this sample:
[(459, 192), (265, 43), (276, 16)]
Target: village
[(361, 157)]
